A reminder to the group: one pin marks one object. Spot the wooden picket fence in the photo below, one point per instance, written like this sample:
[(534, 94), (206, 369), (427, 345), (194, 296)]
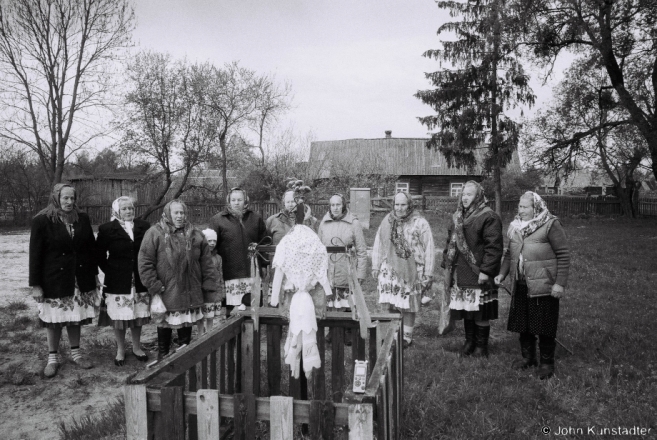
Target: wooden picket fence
[(219, 382)]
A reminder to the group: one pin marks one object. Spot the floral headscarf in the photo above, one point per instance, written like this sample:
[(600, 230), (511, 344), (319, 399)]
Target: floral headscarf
[(178, 246), (402, 248), (116, 215), (461, 217), (54, 210), (541, 217)]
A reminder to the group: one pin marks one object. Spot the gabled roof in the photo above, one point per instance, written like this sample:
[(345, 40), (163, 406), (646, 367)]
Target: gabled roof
[(394, 156), (580, 179)]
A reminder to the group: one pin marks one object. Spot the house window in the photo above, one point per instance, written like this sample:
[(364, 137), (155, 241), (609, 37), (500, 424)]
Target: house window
[(401, 187), (455, 189)]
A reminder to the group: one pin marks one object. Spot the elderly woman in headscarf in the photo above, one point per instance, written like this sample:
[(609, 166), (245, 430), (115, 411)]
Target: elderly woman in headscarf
[(402, 261), (538, 259), (471, 260), (175, 263), (127, 300), (63, 273), (237, 227), (280, 224), (212, 300)]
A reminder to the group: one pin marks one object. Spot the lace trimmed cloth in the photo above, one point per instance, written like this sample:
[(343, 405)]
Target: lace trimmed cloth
[(301, 262)]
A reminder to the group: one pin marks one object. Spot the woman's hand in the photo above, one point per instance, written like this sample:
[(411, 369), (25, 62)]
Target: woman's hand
[(483, 278), (499, 279), (557, 291), (375, 274), (37, 294)]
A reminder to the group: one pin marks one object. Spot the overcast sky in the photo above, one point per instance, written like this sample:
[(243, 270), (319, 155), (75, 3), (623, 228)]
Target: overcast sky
[(354, 65)]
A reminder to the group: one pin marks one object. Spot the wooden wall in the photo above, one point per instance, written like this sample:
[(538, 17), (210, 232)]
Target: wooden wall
[(434, 186)]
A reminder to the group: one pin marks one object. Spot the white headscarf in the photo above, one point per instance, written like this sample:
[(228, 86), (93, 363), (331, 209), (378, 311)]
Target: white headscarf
[(210, 234), (127, 226)]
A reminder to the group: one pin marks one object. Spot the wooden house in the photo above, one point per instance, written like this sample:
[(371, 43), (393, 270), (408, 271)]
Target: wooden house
[(105, 188), (579, 182), (419, 170)]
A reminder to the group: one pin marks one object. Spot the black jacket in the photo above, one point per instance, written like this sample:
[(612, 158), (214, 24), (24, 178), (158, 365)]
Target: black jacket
[(483, 234), (121, 263), (57, 261), (233, 241)]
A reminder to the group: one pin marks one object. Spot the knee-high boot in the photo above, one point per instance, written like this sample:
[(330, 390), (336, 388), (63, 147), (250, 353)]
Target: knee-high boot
[(546, 344), (481, 341), (528, 350), (469, 345), (184, 335), (163, 341)]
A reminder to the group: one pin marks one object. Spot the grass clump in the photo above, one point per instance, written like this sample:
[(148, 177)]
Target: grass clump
[(111, 424)]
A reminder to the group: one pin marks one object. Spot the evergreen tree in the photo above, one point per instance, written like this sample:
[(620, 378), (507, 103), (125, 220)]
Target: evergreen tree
[(484, 78)]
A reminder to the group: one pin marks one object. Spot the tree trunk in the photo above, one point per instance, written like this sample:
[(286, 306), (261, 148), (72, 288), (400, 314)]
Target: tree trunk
[(497, 172), (224, 163), (627, 199)]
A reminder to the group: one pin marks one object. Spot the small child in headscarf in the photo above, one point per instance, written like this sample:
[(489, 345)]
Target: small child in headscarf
[(212, 300)]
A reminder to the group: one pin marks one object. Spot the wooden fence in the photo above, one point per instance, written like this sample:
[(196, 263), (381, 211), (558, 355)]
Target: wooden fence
[(219, 382)]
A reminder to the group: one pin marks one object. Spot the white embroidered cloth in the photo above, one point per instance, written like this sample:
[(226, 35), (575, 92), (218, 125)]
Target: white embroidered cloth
[(301, 259)]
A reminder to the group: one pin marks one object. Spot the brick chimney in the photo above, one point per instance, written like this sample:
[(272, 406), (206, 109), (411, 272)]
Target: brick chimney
[(388, 134)]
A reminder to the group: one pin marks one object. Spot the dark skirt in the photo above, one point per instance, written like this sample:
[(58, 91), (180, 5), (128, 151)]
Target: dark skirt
[(538, 316)]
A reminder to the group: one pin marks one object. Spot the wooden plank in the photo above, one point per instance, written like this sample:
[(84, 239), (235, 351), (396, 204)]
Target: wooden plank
[(182, 360), (337, 364), (230, 366), (372, 346), (203, 385), (319, 374), (238, 363), (222, 369), (295, 386), (382, 410), (274, 359), (399, 376), (173, 416), (392, 407), (207, 410), (244, 416), (213, 370), (247, 349), (136, 412), (281, 421), (256, 361), (272, 315), (361, 422), (191, 418), (322, 420), (301, 409)]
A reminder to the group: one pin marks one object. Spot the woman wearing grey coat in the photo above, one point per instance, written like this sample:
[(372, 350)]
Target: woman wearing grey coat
[(175, 263)]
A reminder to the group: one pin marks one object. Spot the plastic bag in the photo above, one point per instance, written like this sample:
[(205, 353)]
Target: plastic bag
[(158, 310)]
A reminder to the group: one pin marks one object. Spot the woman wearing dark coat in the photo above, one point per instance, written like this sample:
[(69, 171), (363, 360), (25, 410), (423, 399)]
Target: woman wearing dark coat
[(471, 260), (538, 259), (237, 227), (63, 273), (175, 264), (117, 250)]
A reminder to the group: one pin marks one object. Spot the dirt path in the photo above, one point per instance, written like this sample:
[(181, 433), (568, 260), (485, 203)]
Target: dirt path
[(33, 407)]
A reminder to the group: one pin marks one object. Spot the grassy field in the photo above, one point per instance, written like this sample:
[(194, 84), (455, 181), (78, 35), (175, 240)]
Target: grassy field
[(606, 320)]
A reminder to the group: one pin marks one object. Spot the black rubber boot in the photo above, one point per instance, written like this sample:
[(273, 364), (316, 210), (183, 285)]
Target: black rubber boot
[(481, 341), (163, 341), (528, 350), (184, 336), (469, 346), (546, 344)]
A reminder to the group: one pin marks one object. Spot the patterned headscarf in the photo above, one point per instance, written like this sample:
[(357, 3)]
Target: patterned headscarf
[(116, 215), (541, 217), (344, 207), (461, 217), (178, 247), (54, 210), (402, 248)]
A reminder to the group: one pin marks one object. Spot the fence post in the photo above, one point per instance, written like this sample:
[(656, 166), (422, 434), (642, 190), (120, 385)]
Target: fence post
[(207, 413), (136, 412), (361, 426), (281, 421)]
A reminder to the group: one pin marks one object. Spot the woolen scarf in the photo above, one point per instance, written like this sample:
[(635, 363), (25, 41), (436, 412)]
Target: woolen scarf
[(178, 245), (344, 212), (541, 217), (461, 217), (54, 210)]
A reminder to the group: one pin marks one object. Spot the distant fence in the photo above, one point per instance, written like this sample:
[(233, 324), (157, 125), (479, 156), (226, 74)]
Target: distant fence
[(201, 212), (559, 205)]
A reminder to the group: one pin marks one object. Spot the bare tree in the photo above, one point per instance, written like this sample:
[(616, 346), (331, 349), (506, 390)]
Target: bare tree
[(167, 122), (56, 58), (232, 93), (272, 100)]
